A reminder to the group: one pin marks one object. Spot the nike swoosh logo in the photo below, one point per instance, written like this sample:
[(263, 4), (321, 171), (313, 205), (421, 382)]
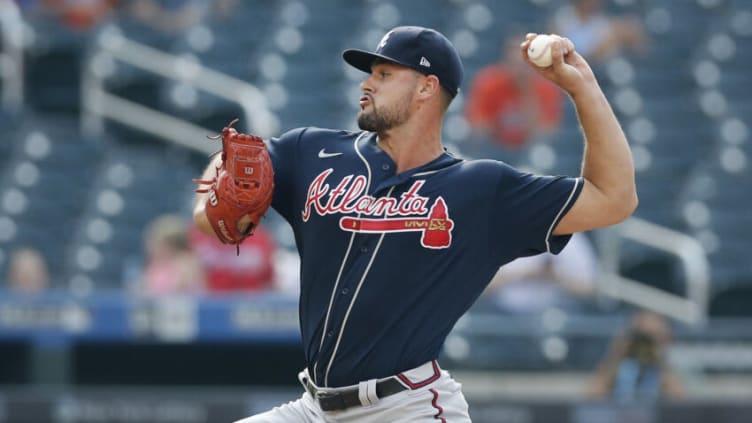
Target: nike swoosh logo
[(324, 155)]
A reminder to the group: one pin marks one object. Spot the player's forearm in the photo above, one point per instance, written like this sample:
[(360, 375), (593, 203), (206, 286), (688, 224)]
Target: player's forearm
[(199, 205), (200, 219), (607, 162)]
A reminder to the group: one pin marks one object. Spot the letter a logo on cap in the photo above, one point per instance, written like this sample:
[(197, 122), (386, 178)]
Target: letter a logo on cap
[(384, 39)]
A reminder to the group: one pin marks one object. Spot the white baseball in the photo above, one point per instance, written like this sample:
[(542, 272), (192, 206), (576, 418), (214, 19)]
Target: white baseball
[(539, 50)]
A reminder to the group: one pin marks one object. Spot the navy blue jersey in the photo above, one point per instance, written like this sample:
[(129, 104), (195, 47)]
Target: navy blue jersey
[(390, 262)]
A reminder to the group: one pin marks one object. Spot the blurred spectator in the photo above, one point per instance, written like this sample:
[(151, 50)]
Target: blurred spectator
[(637, 366), (596, 35), (534, 284), (287, 270), (223, 9), (510, 103), (171, 265), (79, 15), (226, 270), (82, 14), (27, 271)]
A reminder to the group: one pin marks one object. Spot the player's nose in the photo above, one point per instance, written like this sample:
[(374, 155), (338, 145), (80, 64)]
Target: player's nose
[(366, 85)]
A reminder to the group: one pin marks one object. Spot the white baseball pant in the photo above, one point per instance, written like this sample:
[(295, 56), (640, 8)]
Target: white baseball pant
[(433, 396)]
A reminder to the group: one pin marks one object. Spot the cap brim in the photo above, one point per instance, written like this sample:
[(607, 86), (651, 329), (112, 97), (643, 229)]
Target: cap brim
[(362, 59)]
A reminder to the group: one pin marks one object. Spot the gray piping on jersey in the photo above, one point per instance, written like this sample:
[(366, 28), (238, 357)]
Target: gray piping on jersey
[(428, 172), (415, 175), (355, 297), (558, 215), (344, 260)]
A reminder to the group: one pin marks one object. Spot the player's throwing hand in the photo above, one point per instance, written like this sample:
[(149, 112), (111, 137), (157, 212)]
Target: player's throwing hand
[(569, 70)]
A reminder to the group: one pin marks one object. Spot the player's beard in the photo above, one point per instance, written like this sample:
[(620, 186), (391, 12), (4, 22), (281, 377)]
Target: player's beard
[(381, 119)]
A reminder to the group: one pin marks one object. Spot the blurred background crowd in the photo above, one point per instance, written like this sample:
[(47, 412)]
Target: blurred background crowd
[(105, 105)]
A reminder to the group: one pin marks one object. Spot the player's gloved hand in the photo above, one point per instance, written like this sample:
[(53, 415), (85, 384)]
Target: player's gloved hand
[(241, 192)]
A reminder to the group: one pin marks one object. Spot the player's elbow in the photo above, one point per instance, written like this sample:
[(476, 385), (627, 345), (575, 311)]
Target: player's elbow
[(634, 201), (624, 206)]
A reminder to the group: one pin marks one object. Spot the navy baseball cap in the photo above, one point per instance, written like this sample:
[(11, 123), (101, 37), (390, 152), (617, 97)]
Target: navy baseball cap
[(422, 49)]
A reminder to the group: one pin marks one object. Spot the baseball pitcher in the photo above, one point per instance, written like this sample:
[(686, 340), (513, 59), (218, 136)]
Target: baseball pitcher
[(397, 237)]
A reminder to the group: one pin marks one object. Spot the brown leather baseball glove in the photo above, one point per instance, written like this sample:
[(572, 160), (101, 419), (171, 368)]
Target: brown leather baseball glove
[(243, 186)]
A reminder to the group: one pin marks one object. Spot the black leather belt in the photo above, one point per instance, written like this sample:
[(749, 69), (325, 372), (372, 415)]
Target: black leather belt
[(341, 400)]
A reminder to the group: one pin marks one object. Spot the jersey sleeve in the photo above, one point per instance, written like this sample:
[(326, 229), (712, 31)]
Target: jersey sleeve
[(283, 151), (531, 206)]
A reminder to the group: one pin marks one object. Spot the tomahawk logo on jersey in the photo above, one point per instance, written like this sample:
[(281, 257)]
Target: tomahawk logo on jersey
[(361, 231)]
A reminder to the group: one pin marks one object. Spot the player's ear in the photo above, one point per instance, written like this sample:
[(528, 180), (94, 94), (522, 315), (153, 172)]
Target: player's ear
[(429, 86)]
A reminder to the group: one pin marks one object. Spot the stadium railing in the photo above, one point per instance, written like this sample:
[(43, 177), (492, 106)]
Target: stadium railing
[(691, 309), (11, 56), (98, 104)]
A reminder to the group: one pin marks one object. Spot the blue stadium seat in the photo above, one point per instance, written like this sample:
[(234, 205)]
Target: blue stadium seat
[(59, 172), (143, 33), (726, 196), (237, 38), (656, 81), (735, 84)]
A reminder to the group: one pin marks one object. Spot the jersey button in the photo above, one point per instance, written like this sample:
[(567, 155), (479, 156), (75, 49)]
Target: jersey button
[(345, 291), (330, 334), (385, 166), (364, 249)]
